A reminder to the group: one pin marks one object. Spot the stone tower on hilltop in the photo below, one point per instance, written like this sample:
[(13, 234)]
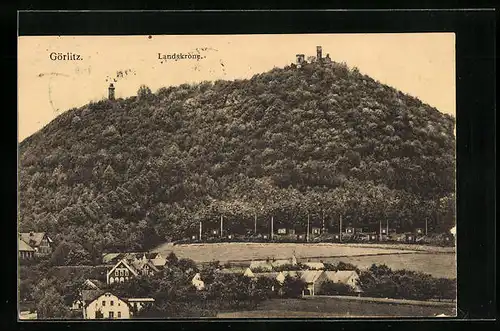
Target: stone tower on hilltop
[(111, 92), (319, 53)]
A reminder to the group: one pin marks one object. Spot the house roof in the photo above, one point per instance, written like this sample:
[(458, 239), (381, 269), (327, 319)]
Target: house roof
[(261, 264), (33, 238), (139, 299), (91, 295), (310, 276), (248, 273), (271, 275), (153, 255), (126, 264), (95, 294), (341, 276), (277, 263), (93, 284), (314, 265), (24, 247), (158, 262), (139, 264), (109, 257), (231, 270)]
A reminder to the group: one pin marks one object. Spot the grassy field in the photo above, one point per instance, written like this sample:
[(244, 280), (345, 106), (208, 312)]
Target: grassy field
[(437, 261), (324, 307)]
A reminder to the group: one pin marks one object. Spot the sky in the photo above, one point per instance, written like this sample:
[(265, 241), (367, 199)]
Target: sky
[(420, 64)]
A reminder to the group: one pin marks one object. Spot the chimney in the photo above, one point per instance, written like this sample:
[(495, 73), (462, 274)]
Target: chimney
[(111, 92), (319, 51)]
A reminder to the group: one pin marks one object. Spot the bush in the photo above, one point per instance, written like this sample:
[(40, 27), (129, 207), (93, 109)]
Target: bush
[(332, 288)]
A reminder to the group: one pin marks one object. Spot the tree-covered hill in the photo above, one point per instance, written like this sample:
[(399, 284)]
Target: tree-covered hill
[(323, 139)]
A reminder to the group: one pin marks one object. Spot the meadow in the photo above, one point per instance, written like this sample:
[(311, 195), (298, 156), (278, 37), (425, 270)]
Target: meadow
[(328, 307), (437, 261)]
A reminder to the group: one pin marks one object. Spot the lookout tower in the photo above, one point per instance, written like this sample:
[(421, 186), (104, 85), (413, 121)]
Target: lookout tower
[(300, 59), (111, 92), (319, 51)]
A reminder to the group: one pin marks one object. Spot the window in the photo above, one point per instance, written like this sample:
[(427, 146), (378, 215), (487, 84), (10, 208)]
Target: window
[(111, 303), (126, 272), (119, 314), (111, 314), (117, 272), (103, 303)]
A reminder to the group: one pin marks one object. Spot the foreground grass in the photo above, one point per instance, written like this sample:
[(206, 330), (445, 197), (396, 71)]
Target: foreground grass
[(326, 307)]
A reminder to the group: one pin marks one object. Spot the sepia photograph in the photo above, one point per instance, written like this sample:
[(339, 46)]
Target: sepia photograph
[(258, 176)]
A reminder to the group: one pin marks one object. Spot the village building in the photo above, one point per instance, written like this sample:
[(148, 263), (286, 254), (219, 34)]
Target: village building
[(198, 282), (312, 280), (126, 269), (269, 265), (137, 304), (248, 273), (106, 306), (349, 230), (315, 231), (39, 241), (314, 265), (25, 251), (346, 277)]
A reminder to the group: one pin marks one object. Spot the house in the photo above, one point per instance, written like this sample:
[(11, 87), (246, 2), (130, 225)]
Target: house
[(134, 265), (347, 277), (137, 304), (122, 271), (145, 267), (368, 236), (283, 274), (349, 230), (105, 306), (410, 237), (363, 236), (316, 231), (248, 273), (39, 241), (25, 251), (269, 265), (261, 264), (282, 231), (312, 280), (157, 260), (89, 288), (28, 315), (197, 282), (314, 265)]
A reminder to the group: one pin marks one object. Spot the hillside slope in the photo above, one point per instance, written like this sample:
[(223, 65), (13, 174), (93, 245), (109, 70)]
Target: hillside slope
[(324, 139)]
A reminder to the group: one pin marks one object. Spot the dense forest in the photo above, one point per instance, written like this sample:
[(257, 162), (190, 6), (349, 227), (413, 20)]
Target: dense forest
[(324, 140)]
